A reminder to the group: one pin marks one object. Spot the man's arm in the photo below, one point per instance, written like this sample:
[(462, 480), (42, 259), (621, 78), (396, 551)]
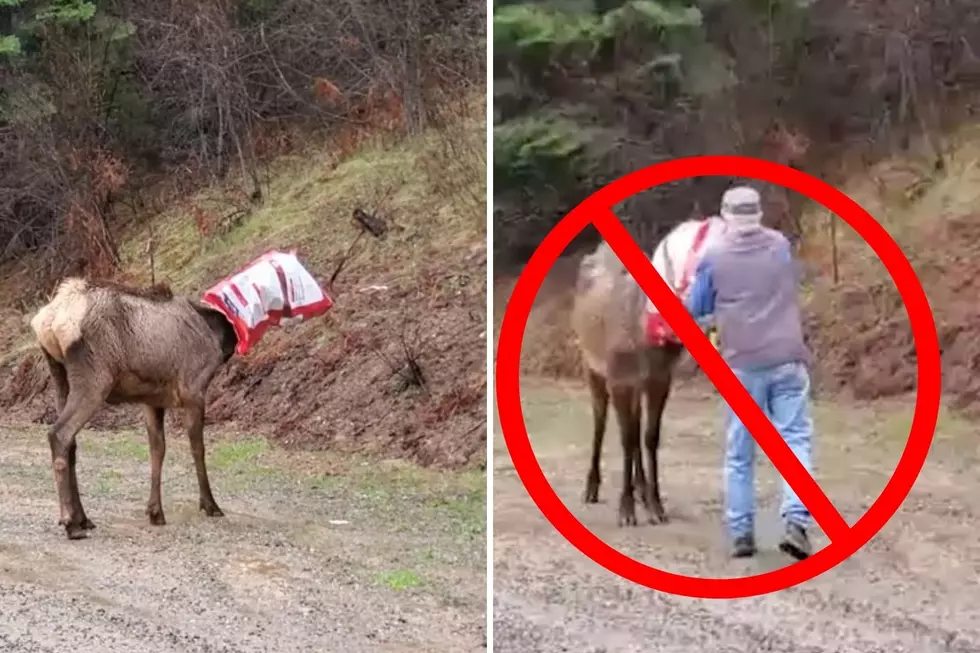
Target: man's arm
[(701, 298)]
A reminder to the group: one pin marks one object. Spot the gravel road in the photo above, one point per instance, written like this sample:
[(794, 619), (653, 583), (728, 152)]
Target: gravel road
[(913, 588), (315, 553)]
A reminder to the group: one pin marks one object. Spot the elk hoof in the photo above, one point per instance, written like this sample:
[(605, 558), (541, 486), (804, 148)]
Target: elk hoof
[(76, 531), (211, 509), (655, 508), (156, 516), (87, 524), (591, 490), (627, 511), (657, 514)]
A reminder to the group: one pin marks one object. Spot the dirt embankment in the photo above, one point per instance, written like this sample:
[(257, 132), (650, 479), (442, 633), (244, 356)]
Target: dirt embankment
[(397, 368), (857, 326), (344, 381), (863, 335)]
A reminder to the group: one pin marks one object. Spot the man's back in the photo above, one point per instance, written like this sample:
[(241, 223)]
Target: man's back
[(756, 308), (748, 280)]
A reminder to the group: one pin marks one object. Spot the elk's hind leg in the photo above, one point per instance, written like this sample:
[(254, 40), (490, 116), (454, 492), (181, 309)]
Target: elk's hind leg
[(158, 449), (600, 409), (59, 378), (85, 521), (80, 406)]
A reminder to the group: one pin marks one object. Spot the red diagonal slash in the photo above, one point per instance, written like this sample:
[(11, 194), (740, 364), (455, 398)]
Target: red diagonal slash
[(823, 510)]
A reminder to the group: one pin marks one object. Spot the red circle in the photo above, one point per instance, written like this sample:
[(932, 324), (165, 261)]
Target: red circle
[(508, 377)]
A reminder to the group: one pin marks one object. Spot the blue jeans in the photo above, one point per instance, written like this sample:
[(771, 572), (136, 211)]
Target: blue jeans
[(783, 393)]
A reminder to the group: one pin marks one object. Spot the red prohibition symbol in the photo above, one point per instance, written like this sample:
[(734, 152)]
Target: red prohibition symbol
[(845, 539)]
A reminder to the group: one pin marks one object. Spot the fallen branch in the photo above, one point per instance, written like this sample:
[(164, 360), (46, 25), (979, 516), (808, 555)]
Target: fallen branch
[(367, 223)]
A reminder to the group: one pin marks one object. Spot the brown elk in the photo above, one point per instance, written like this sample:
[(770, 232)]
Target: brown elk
[(108, 343), (622, 365)]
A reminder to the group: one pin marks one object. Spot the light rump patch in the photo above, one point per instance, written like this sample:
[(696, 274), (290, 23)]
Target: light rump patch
[(590, 312), (58, 324)]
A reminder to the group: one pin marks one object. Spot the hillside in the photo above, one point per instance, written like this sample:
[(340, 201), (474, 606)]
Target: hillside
[(347, 381), (860, 326), (857, 326)]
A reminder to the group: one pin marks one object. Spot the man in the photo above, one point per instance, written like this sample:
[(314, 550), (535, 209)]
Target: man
[(748, 281)]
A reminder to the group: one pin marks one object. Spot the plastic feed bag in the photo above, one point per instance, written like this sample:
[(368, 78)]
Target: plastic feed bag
[(272, 289), (676, 259)]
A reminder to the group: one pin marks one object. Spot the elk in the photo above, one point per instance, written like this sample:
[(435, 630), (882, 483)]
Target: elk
[(109, 343), (623, 364)]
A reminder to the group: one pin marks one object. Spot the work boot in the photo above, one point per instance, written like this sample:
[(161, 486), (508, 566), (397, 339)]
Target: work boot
[(743, 547), (795, 542)]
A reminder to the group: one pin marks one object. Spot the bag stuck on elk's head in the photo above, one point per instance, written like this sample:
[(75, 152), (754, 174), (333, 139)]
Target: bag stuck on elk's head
[(272, 288)]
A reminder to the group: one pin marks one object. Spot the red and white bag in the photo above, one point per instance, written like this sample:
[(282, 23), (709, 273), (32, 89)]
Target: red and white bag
[(676, 259), (273, 287)]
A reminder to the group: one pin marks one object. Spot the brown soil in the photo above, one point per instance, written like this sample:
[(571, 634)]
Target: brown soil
[(342, 381), (863, 336)]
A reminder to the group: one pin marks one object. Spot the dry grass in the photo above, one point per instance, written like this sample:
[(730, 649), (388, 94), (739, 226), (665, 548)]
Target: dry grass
[(911, 200), (310, 198), (859, 325)]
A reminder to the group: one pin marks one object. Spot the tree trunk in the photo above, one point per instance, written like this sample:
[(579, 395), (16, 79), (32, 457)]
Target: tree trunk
[(413, 103)]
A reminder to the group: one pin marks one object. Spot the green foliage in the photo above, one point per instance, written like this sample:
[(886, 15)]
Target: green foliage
[(99, 32), (539, 34), (9, 45), (66, 11), (654, 18), (256, 10), (533, 151), (113, 29), (30, 19), (536, 151)]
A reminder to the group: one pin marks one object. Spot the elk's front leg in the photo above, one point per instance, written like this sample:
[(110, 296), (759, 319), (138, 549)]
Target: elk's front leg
[(629, 428), (158, 449), (657, 392), (195, 431)]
